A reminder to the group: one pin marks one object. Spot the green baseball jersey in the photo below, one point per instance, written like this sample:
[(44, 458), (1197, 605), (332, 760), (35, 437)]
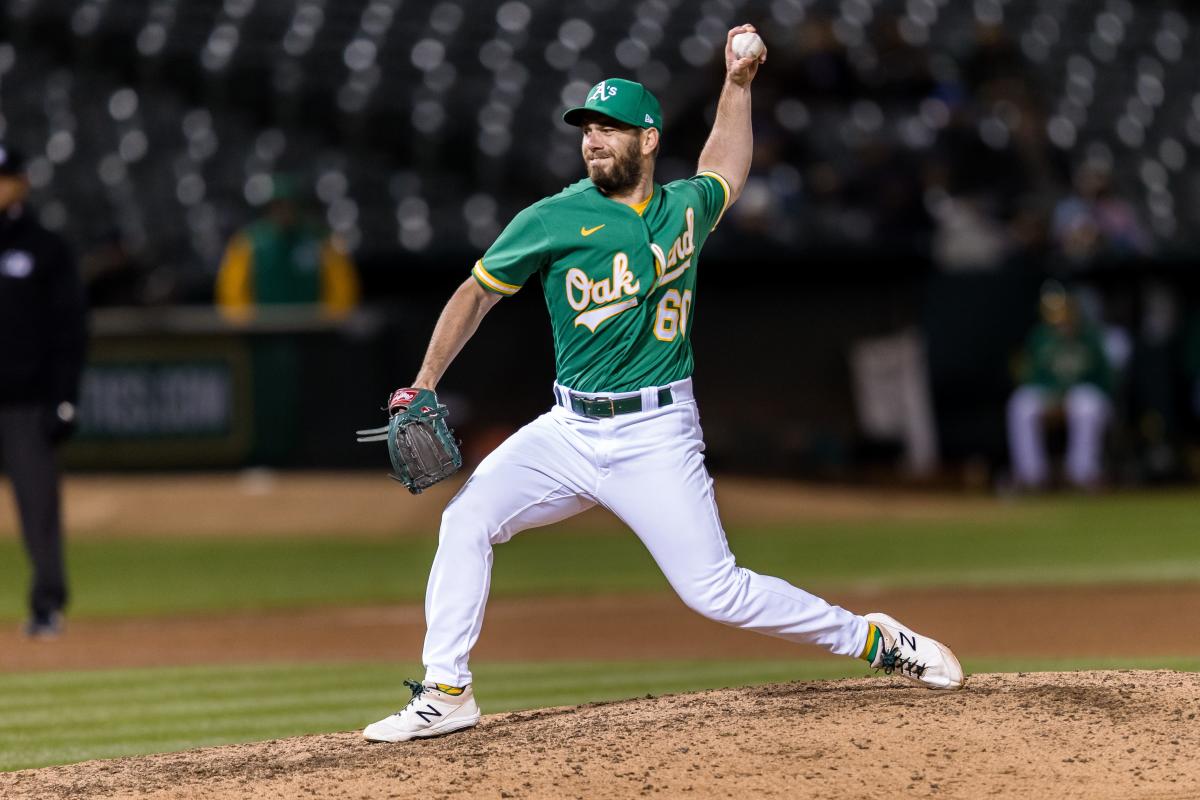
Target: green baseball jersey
[(620, 285), (287, 262), (1057, 361)]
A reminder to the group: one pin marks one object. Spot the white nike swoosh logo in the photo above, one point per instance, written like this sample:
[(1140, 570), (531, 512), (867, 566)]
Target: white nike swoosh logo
[(595, 316)]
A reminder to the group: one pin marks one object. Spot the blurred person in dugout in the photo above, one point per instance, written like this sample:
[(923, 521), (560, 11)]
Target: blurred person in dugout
[(1065, 378), (285, 258), (42, 342)]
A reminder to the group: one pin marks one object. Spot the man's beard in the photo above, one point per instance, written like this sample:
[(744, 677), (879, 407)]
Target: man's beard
[(623, 174)]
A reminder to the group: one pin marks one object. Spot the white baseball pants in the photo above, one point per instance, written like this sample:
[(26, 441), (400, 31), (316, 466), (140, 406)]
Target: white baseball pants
[(1087, 410), (648, 469)]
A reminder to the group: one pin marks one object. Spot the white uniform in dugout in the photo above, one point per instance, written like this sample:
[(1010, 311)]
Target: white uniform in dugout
[(618, 258)]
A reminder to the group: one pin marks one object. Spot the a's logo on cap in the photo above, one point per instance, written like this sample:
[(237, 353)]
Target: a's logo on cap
[(601, 92)]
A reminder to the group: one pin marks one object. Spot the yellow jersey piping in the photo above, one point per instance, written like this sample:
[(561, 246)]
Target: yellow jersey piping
[(491, 282), (725, 188)]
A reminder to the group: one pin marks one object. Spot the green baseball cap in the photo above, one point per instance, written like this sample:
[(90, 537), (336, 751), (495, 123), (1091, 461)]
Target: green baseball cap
[(624, 101)]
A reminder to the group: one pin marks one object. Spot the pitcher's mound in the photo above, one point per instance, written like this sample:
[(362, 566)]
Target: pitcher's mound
[(1072, 734)]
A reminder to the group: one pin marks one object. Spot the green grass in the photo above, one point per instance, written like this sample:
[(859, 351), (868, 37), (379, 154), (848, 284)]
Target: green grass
[(50, 718), (54, 718), (1119, 538)]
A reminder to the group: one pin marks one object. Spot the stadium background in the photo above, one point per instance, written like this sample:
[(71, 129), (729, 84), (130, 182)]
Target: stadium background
[(910, 161), (860, 312)]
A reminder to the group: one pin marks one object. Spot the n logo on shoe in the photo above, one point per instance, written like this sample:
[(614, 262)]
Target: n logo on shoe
[(427, 715), (904, 640)]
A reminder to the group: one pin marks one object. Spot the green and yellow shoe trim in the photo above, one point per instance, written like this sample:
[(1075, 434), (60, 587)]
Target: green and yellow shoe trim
[(453, 691), (871, 648)]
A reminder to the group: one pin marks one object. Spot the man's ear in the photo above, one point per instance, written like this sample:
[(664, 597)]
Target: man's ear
[(649, 140)]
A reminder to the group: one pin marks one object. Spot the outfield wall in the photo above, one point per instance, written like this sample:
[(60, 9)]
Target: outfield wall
[(183, 388)]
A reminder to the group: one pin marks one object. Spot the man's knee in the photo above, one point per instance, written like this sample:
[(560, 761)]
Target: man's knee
[(466, 519), (1086, 403), (722, 598), (1026, 403)]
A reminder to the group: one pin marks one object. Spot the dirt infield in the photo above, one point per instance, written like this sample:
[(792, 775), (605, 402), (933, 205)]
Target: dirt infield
[(980, 623), (1065, 735)]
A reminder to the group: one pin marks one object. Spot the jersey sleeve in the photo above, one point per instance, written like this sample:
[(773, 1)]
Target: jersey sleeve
[(235, 287), (714, 196), (520, 250)]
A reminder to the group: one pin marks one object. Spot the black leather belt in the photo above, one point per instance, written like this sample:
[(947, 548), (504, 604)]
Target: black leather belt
[(603, 407)]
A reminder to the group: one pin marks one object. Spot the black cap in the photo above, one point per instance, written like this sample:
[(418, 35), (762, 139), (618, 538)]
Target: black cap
[(12, 161)]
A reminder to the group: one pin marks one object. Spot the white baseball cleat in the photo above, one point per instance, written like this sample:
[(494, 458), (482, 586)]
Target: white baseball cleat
[(431, 712), (920, 659)]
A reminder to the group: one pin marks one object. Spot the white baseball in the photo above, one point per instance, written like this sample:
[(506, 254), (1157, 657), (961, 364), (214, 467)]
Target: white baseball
[(748, 45)]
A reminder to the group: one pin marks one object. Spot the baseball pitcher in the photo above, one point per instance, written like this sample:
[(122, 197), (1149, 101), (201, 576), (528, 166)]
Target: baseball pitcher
[(617, 256)]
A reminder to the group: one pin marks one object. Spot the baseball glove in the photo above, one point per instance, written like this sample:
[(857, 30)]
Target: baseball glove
[(420, 444)]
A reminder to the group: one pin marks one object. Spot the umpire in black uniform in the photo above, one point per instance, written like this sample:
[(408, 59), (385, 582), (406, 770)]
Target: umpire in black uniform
[(42, 340)]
